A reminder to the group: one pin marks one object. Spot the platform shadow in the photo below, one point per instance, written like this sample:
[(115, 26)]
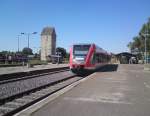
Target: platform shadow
[(107, 68)]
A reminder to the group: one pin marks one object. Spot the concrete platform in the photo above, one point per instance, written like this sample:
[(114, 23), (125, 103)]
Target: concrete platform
[(123, 91), (9, 70)]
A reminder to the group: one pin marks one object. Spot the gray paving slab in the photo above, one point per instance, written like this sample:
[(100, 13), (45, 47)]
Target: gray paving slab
[(8, 70), (125, 92)]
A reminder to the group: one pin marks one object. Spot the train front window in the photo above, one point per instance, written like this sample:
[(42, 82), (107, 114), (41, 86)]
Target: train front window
[(80, 51)]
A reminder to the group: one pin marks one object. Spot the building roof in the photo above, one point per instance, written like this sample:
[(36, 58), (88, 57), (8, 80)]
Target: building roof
[(48, 31), (125, 54)]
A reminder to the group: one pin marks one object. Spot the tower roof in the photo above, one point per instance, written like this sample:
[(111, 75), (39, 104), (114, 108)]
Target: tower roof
[(48, 31)]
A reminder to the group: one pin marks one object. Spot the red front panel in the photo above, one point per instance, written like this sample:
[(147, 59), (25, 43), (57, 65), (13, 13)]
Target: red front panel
[(89, 56), (71, 57), (87, 63)]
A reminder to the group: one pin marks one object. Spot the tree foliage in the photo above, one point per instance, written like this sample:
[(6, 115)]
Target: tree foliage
[(7, 53), (27, 51), (62, 51), (138, 43)]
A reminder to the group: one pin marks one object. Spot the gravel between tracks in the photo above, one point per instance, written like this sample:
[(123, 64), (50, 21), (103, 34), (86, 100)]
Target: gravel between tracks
[(13, 88)]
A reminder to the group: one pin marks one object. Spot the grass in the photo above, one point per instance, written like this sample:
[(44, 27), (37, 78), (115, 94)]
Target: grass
[(37, 62), (11, 65)]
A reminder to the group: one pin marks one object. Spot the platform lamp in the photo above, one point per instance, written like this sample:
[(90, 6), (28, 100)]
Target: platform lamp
[(28, 36), (145, 44)]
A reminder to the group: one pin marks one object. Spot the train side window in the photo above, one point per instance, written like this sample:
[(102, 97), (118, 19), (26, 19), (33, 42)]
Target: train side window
[(93, 58), (100, 57), (97, 58), (103, 58)]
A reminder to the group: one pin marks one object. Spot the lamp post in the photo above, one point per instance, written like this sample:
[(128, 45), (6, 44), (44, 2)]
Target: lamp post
[(18, 42), (28, 36), (145, 36)]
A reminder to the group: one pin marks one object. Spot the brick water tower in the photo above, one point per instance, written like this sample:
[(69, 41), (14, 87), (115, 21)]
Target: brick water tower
[(48, 43)]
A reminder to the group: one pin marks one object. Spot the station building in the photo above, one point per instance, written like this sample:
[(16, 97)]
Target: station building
[(126, 58)]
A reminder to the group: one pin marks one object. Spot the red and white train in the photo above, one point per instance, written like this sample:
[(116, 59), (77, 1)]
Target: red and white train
[(87, 57)]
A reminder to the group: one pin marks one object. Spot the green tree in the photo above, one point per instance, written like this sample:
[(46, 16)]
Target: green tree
[(139, 40), (4, 52), (27, 51), (145, 32), (130, 46), (62, 51)]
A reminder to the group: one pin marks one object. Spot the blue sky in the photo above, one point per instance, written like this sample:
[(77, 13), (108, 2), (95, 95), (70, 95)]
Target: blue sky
[(111, 24)]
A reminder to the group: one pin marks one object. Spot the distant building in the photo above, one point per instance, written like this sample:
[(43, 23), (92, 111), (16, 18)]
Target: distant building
[(125, 58), (48, 43)]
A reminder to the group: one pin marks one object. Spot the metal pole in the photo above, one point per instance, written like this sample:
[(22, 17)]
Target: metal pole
[(145, 51), (28, 40), (28, 36), (18, 43)]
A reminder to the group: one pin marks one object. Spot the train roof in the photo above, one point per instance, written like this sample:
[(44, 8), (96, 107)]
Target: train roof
[(98, 49), (101, 50), (82, 44)]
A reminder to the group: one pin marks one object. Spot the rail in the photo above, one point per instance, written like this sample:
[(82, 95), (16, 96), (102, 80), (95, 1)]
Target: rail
[(29, 73), (19, 100)]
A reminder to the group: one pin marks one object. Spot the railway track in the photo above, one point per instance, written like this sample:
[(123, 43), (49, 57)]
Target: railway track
[(5, 77), (17, 78), (20, 93)]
